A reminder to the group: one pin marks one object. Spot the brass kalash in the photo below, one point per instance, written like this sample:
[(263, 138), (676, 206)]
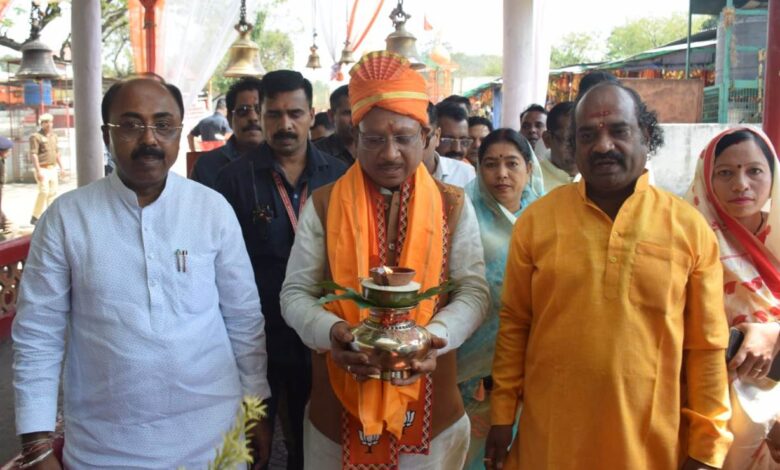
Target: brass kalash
[(389, 336)]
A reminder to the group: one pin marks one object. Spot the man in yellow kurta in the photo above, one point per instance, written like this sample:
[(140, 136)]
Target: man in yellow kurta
[(612, 332)]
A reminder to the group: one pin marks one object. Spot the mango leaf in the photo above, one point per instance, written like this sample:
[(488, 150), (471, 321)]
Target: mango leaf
[(447, 286), (352, 295), (359, 300), (332, 286)]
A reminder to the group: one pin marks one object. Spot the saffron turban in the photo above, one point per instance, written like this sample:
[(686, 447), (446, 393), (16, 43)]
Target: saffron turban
[(385, 79)]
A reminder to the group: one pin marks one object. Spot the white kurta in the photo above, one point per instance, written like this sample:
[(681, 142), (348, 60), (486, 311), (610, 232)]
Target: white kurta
[(454, 172), (156, 355)]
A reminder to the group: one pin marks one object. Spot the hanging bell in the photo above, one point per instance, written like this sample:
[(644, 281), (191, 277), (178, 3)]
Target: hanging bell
[(37, 61), (244, 58), (347, 55), (402, 41), (314, 58)]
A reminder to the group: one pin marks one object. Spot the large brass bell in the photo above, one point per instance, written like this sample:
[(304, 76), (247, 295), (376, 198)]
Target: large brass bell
[(402, 41), (244, 58), (314, 58), (37, 61), (347, 56)]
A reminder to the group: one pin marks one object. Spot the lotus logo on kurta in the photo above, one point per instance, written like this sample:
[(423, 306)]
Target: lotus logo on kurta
[(369, 441), (408, 420)]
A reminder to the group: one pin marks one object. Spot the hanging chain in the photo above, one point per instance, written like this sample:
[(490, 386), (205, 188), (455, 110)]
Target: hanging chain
[(398, 15), (242, 22), (314, 20), (36, 20)]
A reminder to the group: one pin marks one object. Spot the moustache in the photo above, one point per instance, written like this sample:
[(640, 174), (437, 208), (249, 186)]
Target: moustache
[(252, 127), (285, 135), (454, 154), (618, 157), (147, 151), (390, 166)]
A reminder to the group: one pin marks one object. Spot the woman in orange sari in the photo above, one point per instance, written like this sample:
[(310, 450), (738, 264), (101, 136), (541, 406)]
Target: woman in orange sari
[(734, 181)]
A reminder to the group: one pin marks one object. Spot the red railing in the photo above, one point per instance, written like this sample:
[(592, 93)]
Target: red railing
[(12, 256)]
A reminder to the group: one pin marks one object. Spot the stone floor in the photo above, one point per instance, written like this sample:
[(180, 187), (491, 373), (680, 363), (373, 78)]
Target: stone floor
[(17, 203)]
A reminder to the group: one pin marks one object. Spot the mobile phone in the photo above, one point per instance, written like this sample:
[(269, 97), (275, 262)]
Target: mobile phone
[(735, 342), (736, 337)]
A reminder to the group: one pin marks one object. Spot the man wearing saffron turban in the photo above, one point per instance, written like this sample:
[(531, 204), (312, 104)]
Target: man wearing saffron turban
[(386, 210)]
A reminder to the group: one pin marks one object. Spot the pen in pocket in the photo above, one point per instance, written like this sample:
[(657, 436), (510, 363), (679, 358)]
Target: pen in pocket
[(181, 261)]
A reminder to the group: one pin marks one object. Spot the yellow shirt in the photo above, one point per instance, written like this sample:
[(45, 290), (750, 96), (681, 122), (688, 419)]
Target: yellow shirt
[(597, 321)]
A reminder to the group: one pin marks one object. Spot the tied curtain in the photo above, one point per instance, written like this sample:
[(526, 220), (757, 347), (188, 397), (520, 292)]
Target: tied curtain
[(4, 4), (348, 20), (191, 38)]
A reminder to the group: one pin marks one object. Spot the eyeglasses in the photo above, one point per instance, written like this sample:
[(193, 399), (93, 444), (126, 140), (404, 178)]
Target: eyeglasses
[(378, 142), (464, 141), (133, 130), (245, 109)]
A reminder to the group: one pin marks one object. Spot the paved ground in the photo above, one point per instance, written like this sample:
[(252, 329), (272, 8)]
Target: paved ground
[(18, 201)]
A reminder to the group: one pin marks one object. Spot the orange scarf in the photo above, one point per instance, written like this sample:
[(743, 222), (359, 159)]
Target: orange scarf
[(352, 242)]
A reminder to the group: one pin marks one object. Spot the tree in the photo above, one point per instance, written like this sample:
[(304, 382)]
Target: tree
[(710, 22), (276, 49), (648, 33), (40, 18), (575, 48), (117, 53), (482, 65), (115, 34)]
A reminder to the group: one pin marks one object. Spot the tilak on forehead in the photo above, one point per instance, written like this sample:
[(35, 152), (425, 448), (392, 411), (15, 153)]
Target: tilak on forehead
[(386, 80), (600, 115)]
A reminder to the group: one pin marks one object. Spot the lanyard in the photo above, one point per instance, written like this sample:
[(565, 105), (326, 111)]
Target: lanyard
[(286, 200)]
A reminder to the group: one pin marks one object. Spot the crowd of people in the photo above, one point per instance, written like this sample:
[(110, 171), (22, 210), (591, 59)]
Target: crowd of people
[(587, 328)]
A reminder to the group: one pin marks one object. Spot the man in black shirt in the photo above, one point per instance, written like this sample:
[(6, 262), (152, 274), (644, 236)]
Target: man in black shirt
[(341, 143), (267, 188), (243, 102)]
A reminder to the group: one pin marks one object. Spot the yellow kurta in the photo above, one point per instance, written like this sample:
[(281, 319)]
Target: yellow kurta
[(597, 321)]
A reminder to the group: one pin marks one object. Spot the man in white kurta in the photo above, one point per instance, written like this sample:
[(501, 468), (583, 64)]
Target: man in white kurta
[(141, 284)]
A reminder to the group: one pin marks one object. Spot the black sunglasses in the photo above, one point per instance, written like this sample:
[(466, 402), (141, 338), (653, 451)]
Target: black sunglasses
[(245, 109)]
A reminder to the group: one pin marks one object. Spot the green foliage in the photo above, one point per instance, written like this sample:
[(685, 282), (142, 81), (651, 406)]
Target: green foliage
[(648, 33), (362, 302), (483, 65), (276, 49), (575, 48), (710, 22), (117, 53)]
